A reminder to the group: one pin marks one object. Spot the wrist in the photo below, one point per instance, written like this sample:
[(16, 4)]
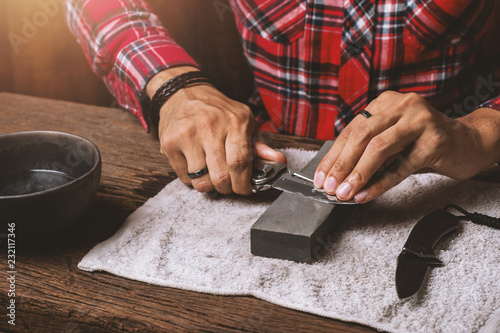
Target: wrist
[(485, 123), (164, 76), (169, 88)]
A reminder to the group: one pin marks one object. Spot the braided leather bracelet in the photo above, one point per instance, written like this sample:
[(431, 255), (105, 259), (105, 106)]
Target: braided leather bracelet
[(171, 87)]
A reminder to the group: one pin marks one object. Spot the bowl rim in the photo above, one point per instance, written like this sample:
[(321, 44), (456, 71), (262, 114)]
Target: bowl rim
[(93, 146)]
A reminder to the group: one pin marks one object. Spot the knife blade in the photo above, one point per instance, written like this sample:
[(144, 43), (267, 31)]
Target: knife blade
[(268, 174), (418, 254)]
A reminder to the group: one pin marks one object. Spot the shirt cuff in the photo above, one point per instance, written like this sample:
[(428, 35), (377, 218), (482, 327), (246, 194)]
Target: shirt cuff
[(492, 103), (136, 64)]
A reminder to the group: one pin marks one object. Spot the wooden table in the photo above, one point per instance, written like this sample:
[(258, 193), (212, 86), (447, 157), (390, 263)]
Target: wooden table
[(52, 295)]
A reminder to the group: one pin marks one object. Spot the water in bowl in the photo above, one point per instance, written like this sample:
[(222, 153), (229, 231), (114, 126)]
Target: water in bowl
[(31, 181)]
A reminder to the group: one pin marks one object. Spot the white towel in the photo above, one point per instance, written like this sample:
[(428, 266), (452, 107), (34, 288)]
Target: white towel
[(184, 239)]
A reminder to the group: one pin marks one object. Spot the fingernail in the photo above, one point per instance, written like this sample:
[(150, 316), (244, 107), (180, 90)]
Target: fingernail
[(319, 179), (361, 196), (344, 190), (330, 185)]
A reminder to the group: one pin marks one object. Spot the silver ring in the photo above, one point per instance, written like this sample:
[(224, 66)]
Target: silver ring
[(198, 174), (365, 113)]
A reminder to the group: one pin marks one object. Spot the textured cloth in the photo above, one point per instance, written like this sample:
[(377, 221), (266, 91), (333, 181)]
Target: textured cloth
[(315, 63), (184, 239)]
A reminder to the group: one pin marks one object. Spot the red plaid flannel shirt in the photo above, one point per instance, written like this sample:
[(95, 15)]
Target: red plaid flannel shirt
[(316, 63)]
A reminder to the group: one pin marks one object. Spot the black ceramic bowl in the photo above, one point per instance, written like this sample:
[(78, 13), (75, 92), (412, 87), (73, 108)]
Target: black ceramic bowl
[(47, 180)]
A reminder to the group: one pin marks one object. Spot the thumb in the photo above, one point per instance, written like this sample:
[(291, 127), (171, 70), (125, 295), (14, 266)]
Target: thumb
[(267, 153)]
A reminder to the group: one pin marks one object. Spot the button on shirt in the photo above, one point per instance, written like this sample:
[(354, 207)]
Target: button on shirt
[(316, 62)]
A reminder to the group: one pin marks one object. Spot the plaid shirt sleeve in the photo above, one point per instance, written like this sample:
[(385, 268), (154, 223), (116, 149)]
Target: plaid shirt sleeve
[(492, 103), (125, 45)]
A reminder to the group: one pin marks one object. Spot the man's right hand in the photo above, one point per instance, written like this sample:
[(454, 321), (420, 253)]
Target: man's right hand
[(201, 127)]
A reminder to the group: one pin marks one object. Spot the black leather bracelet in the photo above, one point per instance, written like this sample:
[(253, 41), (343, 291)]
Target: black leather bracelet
[(171, 87)]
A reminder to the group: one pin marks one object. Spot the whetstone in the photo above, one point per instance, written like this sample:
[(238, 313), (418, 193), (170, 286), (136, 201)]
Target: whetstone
[(293, 227)]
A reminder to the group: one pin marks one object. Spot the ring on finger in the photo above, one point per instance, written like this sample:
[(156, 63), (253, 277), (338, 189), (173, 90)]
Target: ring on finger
[(198, 174), (365, 113)]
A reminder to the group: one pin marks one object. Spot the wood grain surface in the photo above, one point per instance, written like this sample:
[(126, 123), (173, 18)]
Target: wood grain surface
[(52, 295)]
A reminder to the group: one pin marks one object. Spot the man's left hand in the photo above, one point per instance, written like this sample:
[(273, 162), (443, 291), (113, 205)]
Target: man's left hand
[(406, 135)]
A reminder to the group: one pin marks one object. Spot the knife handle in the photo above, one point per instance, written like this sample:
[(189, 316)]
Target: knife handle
[(477, 218), (265, 171), (429, 231), (486, 220)]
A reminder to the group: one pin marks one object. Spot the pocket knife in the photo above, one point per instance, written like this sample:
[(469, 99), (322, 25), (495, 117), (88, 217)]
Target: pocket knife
[(418, 254), (268, 174)]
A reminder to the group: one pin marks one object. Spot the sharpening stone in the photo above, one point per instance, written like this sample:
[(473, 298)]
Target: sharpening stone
[(293, 227)]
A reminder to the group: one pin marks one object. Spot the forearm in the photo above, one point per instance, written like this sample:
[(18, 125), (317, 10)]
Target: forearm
[(164, 76), (485, 122), (125, 45)]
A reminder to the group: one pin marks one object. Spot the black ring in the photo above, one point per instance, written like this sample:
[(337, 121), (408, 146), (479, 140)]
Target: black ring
[(198, 174), (365, 113)]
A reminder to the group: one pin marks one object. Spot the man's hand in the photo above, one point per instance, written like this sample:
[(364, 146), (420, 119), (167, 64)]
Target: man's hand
[(200, 127), (406, 135)]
